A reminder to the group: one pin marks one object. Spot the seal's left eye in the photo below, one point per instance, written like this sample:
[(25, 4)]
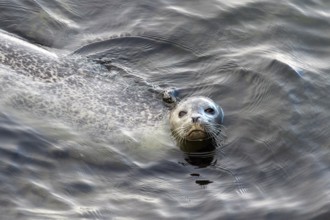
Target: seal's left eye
[(182, 113), (209, 110)]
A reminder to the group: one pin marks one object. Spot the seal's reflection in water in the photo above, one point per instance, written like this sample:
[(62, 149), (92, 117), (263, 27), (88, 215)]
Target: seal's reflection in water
[(204, 154), (199, 153)]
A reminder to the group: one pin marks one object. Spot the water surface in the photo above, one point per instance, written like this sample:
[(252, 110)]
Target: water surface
[(85, 147)]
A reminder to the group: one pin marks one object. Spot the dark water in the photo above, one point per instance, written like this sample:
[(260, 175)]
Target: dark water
[(265, 62)]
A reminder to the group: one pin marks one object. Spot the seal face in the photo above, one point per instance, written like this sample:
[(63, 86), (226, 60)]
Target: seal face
[(196, 119)]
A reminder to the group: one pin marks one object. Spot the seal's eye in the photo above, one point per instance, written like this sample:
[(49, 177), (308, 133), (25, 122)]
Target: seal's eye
[(209, 111), (182, 113)]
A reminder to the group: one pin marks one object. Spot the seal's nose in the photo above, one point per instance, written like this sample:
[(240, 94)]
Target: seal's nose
[(195, 119)]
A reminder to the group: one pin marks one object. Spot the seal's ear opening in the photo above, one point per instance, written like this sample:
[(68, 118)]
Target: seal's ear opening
[(170, 98)]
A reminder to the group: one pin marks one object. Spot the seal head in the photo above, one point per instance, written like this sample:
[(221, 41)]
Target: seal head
[(196, 119)]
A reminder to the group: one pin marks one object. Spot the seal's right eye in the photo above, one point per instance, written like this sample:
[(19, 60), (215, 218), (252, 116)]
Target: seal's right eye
[(209, 111), (182, 113)]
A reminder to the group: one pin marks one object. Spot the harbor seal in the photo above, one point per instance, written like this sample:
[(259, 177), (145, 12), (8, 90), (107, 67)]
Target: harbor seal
[(196, 123), (83, 94)]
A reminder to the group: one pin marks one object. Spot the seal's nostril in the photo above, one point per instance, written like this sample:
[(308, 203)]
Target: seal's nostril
[(195, 119)]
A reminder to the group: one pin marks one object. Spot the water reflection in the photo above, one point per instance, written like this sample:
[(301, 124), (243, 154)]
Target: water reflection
[(199, 153)]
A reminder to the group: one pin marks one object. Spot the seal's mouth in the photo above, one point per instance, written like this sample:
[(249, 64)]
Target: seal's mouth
[(196, 135)]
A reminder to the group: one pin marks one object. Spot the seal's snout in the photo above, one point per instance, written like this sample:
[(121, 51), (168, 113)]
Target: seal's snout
[(196, 134)]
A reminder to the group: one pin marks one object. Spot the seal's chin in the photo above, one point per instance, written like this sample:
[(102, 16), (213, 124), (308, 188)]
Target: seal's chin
[(196, 135)]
